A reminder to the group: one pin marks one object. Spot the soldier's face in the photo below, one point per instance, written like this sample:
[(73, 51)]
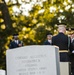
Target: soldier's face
[(49, 37), (15, 37)]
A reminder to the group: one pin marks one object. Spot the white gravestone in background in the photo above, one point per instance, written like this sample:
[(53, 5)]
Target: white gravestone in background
[(33, 60), (2, 72)]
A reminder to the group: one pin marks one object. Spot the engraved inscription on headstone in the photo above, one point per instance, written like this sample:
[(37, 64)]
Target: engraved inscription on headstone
[(31, 65), (33, 60)]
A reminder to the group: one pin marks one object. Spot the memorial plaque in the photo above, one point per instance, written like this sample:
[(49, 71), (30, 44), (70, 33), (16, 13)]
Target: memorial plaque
[(33, 60)]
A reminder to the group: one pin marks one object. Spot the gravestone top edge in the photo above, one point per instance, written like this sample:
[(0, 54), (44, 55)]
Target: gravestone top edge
[(35, 46)]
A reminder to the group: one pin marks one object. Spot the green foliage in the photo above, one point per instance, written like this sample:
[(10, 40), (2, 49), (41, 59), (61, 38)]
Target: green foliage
[(33, 27)]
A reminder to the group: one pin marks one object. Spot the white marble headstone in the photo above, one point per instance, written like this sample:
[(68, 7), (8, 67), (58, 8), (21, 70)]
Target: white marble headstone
[(2, 72), (33, 60)]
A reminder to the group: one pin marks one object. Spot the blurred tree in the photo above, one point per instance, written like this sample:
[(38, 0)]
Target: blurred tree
[(5, 29)]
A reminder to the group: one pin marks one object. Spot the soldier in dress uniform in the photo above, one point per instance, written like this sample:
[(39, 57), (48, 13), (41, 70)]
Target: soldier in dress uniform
[(72, 54), (63, 42), (48, 41), (15, 42)]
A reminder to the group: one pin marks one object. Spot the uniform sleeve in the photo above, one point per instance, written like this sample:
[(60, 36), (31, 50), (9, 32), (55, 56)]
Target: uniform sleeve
[(10, 45)]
